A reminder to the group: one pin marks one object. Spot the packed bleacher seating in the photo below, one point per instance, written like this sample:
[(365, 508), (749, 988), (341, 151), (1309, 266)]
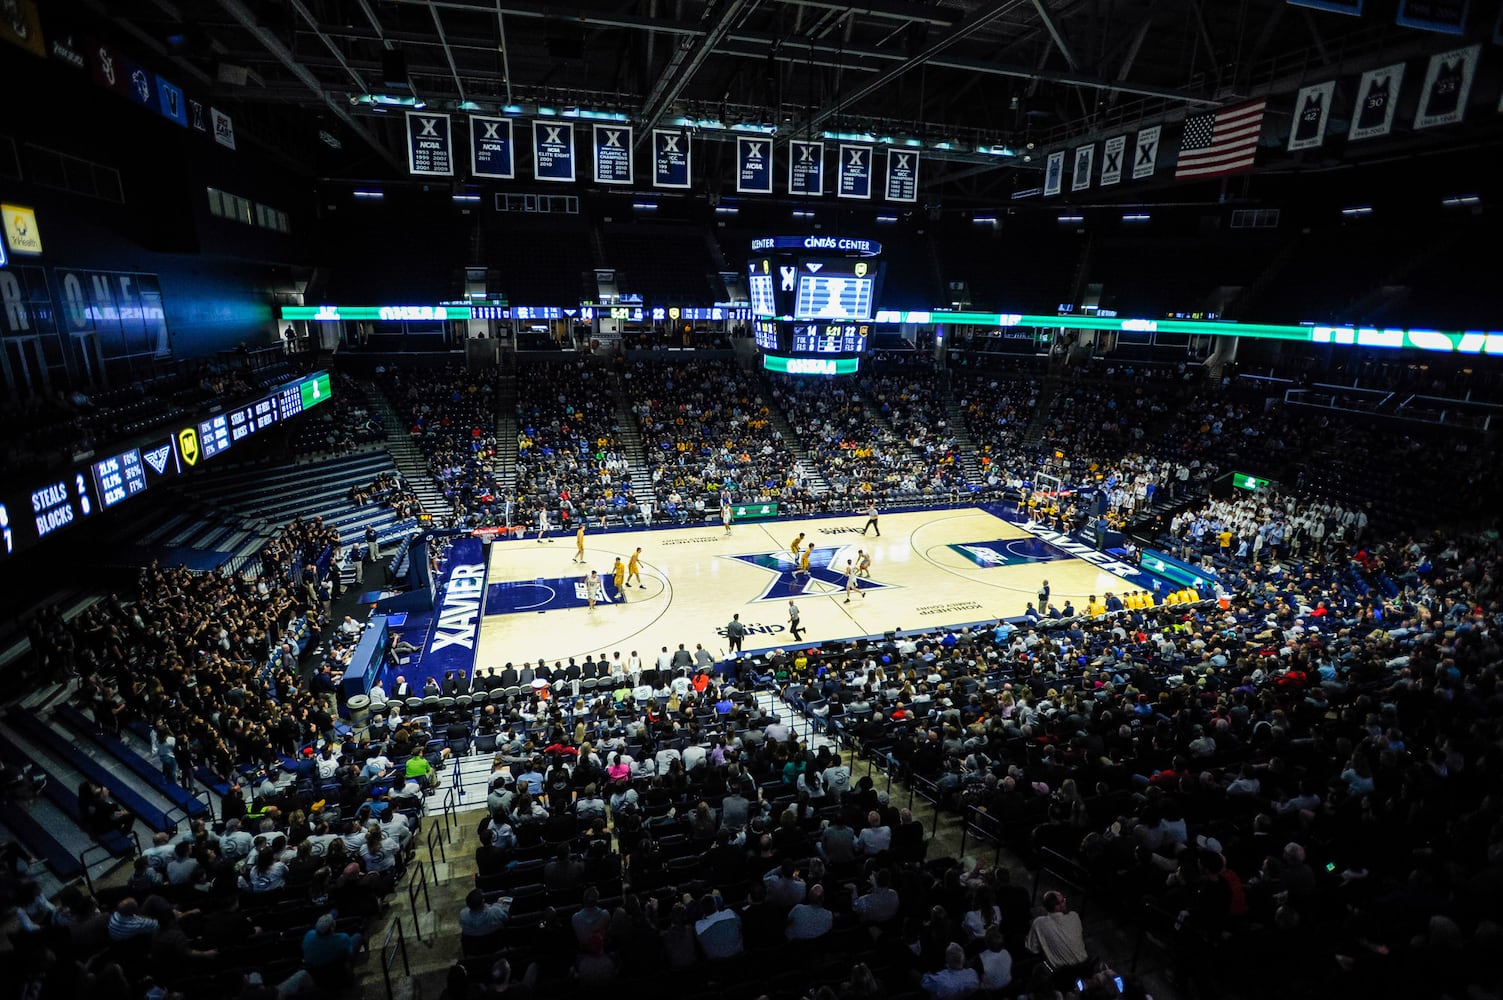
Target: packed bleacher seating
[(708, 428), (451, 415), (909, 393), (569, 458)]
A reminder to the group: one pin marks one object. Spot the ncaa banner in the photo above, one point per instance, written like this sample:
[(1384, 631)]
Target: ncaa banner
[(553, 151), (1445, 16), (1377, 99), (1111, 160), (1054, 173), (1448, 84), (854, 178), (493, 153), (613, 154), (224, 129), (1145, 158), (171, 102), (902, 175), (670, 158), (430, 144), (753, 165), (1312, 108), (806, 167), (1085, 157)]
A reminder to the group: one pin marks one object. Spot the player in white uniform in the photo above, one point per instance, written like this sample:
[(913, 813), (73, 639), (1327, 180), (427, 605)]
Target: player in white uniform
[(725, 517), (542, 523)]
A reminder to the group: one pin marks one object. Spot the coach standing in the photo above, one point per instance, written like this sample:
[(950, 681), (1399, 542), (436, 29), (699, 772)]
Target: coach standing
[(734, 633)]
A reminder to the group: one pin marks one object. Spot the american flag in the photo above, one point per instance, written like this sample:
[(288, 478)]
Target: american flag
[(1220, 142)]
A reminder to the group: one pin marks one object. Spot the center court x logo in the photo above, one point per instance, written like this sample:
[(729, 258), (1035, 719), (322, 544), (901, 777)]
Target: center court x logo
[(824, 578)]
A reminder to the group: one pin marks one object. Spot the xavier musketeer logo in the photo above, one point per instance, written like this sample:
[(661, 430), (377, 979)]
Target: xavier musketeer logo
[(826, 574)]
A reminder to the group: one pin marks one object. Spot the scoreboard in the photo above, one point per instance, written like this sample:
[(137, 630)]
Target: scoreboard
[(51, 503), (813, 307)]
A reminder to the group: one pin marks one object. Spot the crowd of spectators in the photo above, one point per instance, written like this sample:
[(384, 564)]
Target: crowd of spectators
[(707, 429), (451, 414), (569, 454), (340, 425)]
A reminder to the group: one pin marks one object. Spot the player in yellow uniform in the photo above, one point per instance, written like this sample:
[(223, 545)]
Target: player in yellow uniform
[(579, 544), (634, 568), (1095, 607), (618, 573), (796, 545), (804, 557)]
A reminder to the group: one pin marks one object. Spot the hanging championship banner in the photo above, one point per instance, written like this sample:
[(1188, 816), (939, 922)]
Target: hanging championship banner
[(1085, 157), (430, 146), (1145, 158), (806, 167), (1448, 84), (1312, 107), (1445, 16), (613, 154), (493, 151), (902, 175), (553, 151), (1054, 173), (1111, 160), (854, 177), (753, 165), (671, 165), (1353, 7), (1377, 98)]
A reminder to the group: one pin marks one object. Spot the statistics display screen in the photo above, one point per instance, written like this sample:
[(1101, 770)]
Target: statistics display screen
[(765, 333), (763, 302), (119, 477), (830, 338)]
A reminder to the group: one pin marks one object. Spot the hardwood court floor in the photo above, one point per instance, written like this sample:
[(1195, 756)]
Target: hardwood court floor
[(929, 568)]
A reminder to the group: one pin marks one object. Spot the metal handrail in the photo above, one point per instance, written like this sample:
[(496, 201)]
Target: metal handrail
[(418, 884), (83, 857), (389, 953), (435, 838)]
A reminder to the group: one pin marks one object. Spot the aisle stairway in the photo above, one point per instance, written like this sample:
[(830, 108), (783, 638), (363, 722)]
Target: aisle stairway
[(631, 435), (409, 459), (506, 425), (804, 463), (965, 445)]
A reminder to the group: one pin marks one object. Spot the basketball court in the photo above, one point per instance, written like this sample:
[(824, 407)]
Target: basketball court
[(929, 568)]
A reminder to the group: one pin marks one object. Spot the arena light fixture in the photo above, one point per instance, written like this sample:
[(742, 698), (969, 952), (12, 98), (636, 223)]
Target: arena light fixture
[(1357, 211), (1461, 201), (1135, 217), (1070, 220)]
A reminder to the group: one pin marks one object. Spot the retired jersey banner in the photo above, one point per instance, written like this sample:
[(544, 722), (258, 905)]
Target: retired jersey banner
[(854, 177), (806, 167), (20, 25), (171, 102), (1445, 16), (1111, 160), (753, 165), (1448, 84), (1054, 173), (902, 175), (1377, 99), (671, 163), (430, 144), (1312, 108), (493, 151), (613, 154), (1145, 159), (1085, 159), (553, 151)]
